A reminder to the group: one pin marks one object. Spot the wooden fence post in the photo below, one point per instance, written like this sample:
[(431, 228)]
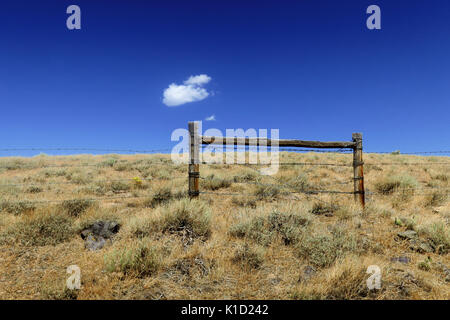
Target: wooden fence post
[(194, 163), (358, 172)]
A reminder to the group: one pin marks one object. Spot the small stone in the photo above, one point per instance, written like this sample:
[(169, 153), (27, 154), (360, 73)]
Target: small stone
[(421, 246), (97, 234), (308, 272), (425, 248), (408, 234), (92, 243)]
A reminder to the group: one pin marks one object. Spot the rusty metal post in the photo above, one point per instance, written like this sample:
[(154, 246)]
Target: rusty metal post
[(358, 172), (194, 163)]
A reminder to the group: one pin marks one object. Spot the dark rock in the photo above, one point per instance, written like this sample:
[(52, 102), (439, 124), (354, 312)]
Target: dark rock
[(105, 229), (408, 234), (309, 270), (445, 270), (97, 234), (421, 246), (275, 281), (93, 243), (401, 259), (308, 273)]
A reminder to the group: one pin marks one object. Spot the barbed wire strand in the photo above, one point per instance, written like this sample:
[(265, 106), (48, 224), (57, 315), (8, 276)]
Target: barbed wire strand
[(85, 149), (72, 182)]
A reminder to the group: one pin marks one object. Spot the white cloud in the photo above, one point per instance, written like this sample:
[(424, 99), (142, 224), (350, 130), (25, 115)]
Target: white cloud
[(190, 91), (211, 118), (198, 80)]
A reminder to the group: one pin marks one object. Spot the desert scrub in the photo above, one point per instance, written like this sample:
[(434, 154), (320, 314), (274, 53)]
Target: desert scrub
[(190, 216), (409, 223), (248, 257), (122, 166), (264, 229), (161, 195), (347, 280), (108, 163), (424, 264), (245, 177), (324, 249), (34, 189), (396, 183), (300, 182), (53, 173), (436, 198), (138, 259), (212, 182), (118, 186), (79, 177), (441, 177), (62, 293), (76, 207), (438, 236), (243, 201), (269, 192), (41, 229), (17, 207), (327, 209)]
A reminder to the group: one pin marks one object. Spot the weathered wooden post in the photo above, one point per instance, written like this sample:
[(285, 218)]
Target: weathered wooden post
[(358, 172), (194, 163)]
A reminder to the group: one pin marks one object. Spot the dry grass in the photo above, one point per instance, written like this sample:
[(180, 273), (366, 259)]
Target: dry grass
[(263, 243)]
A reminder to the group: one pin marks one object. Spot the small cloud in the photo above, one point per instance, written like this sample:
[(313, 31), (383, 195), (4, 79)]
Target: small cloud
[(198, 80), (190, 91), (211, 118)]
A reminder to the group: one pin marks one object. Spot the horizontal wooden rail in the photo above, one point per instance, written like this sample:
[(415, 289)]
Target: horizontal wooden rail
[(281, 143), (196, 140)]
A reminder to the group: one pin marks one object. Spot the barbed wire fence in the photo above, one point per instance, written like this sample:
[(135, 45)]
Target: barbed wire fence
[(289, 190)]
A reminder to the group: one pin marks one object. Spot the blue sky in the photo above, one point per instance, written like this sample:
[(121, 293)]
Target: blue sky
[(309, 68)]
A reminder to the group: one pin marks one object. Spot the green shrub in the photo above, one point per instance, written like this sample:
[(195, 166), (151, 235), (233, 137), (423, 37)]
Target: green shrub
[(243, 201), (139, 259), (160, 196), (438, 236), (264, 230), (213, 183), (79, 177), (323, 250), (300, 183), (436, 198), (409, 223), (442, 177), (122, 166), (34, 189), (425, 264), (119, 186), (320, 208), (40, 229), (108, 163), (248, 257), (54, 173), (245, 177), (76, 207), (190, 216), (17, 207), (268, 192), (394, 183)]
